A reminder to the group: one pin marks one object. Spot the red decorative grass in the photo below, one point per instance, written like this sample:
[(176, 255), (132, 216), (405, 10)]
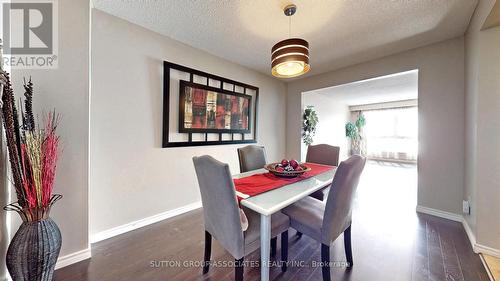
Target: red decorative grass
[(39, 154), (50, 156)]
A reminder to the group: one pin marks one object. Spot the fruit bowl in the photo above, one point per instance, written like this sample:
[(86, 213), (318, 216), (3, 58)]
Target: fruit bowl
[(273, 168)]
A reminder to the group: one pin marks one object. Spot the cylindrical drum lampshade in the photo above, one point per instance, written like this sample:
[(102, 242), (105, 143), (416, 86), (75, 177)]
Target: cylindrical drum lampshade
[(290, 58)]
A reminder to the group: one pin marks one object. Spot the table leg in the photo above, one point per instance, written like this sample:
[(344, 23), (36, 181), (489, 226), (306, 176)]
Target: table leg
[(265, 246)]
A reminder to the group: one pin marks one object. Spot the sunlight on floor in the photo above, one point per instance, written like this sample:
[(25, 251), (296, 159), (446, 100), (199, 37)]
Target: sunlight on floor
[(384, 210), (388, 190)]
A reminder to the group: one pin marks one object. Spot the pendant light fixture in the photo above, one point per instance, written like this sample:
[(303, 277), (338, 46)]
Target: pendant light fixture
[(290, 57)]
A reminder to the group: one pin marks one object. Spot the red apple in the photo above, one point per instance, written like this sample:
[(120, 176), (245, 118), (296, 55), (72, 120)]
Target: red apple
[(284, 163), (294, 163), (298, 168), (280, 170)]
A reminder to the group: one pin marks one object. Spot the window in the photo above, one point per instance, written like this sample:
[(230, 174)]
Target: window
[(392, 133)]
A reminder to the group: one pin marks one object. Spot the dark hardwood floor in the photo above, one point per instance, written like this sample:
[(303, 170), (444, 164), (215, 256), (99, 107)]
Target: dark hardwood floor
[(390, 242)]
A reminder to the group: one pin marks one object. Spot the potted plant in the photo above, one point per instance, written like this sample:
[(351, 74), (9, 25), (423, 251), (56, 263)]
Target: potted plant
[(354, 131), (33, 154), (309, 123), (351, 131)]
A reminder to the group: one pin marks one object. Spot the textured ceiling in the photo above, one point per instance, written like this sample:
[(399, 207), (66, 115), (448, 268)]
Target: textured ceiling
[(340, 33), (395, 87)]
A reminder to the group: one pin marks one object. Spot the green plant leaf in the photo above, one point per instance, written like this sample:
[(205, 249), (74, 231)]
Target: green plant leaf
[(361, 121), (351, 130), (309, 122)]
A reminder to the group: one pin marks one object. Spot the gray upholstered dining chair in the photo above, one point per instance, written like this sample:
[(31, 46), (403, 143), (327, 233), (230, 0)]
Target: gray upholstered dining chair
[(222, 216), (251, 157), (322, 154), (325, 222)]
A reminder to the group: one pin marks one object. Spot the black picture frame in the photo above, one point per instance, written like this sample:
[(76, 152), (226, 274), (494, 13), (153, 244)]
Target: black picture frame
[(166, 143), (182, 95)]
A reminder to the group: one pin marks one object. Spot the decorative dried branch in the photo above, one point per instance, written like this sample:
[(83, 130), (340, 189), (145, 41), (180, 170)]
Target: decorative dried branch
[(17, 128), (28, 117), (12, 138), (34, 154)]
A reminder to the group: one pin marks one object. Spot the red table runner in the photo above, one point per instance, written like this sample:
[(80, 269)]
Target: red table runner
[(260, 183)]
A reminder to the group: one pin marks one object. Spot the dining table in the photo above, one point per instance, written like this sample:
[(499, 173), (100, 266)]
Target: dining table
[(275, 200)]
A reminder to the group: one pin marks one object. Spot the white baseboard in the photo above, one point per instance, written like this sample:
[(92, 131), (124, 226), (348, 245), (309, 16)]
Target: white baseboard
[(470, 234), (103, 235), (73, 258), (439, 213), (65, 260), (476, 247)]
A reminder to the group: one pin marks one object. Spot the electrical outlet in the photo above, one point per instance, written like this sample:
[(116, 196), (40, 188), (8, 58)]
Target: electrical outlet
[(466, 207)]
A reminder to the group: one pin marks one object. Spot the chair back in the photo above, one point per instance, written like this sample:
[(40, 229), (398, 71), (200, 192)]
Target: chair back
[(252, 157), (220, 208), (338, 207), (323, 154)]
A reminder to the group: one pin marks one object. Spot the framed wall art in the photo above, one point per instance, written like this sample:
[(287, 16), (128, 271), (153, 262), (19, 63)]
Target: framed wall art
[(200, 108)]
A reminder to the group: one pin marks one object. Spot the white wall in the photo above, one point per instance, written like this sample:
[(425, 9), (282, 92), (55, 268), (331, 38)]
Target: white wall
[(132, 177), (441, 115), (333, 114), (66, 89), (482, 60), (488, 141)]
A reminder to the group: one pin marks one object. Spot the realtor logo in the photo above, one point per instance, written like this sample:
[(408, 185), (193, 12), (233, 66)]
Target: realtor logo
[(29, 34)]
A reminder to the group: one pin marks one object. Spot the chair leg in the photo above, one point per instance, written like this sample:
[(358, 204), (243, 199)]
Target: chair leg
[(284, 250), (208, 252), (238, 269), (299, 234), (347, 246), (325, 262), (274, 242)]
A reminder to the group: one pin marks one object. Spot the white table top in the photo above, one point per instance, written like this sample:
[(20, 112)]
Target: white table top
[(274, 200)]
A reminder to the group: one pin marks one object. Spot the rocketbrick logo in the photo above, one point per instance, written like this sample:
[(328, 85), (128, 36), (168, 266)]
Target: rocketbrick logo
[(29, 33)]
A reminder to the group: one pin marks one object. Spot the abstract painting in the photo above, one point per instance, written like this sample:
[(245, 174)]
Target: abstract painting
[(205, 109)]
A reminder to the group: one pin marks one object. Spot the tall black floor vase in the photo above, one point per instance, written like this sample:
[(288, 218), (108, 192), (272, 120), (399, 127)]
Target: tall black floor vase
[(33, 252)]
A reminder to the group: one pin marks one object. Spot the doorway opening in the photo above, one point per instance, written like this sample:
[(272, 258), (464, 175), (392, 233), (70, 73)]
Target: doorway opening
[(384, 114)]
